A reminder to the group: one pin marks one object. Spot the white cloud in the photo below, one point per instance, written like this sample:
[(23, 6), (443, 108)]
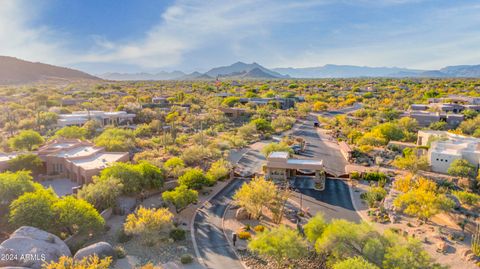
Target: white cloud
[(186, 26), (19, 40), (190, 25), (244, 28)]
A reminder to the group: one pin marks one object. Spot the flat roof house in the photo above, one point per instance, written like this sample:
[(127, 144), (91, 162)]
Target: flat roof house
[(77, 160), (446, 147), (425, 118), (79, 118), (235, 113), (280, 166), (4, 158)]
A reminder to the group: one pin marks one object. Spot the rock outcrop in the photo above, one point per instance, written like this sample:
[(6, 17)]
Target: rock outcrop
[(30, 247), (101, 249), (241, 214)]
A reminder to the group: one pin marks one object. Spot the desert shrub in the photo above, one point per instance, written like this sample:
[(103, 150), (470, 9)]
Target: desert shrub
[(467, 198), (375, 176), (122, 237), (120, 252), (178, 234), (186, 259), (259, 228), (244, 235)]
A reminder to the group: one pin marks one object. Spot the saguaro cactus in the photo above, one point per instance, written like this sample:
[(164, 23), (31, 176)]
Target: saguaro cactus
[(476, 241)]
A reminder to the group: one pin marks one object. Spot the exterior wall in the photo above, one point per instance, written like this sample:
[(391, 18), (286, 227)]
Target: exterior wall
[(425, 119), (440, 162), (276, 173), (454, 120), (3, 166), (62, 167)]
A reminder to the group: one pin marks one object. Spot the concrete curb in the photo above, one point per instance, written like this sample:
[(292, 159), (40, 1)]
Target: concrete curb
[(192, 222), (350, 191)]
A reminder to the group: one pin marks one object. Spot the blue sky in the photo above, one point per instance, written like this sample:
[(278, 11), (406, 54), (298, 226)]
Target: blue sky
[(150, 35)]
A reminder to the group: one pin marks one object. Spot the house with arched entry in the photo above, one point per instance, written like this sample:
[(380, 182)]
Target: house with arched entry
[(280, 166), (76, 160)]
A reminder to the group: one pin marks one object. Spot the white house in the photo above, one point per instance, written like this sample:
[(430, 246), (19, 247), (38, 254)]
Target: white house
[(446, 147), (79, 118)]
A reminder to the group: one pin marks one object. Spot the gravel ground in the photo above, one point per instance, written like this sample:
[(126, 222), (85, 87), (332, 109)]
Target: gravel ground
[(253, 261), (162, 252)]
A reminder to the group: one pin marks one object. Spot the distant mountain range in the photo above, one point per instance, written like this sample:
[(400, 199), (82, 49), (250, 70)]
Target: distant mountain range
[(16, 71), (240, 70), (351, 71), (143, 76), (237, 70)]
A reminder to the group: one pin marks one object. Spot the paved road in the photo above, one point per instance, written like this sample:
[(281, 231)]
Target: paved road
[(334, 202), (250, 163), (321, 146), (341, 111), (211, 241)]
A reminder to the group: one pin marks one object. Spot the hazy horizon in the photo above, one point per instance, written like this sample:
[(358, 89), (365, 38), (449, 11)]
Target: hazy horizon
[(191, 35)]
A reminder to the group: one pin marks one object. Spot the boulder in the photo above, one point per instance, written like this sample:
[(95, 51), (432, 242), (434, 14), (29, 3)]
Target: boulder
[(182, 249), (468, 255), (442, 247), (30, 247), (14, 267), (101, 249), (241, 214)]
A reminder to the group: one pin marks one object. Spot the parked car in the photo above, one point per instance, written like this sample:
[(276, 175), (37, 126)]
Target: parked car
[(296, 149)]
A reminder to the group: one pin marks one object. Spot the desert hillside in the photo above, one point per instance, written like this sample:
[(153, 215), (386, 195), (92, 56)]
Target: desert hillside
[(16, 71)]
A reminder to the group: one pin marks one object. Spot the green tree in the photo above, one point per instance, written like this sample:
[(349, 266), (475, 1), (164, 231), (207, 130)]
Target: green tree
[(218, 170), (230, 101), (282, 123), (114, 139), (34, 209), (467, 198), (28, 162), (193, 178), (354, 263), (102, 194), (408, 124), (13, 185), (130, 177), (262, 125), (47, 119), (389, 131), (247, 131), (461, 168), (279, 243), (272, 147), (149, 224), (255, 195), (412, 162), (91, 128), (342, 239), (77, 215), (71, 132), (180, 197), (26, 140), (315, 227), (374, 195), (408, 255), (174, 166), (423, 200), (152, 175)]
